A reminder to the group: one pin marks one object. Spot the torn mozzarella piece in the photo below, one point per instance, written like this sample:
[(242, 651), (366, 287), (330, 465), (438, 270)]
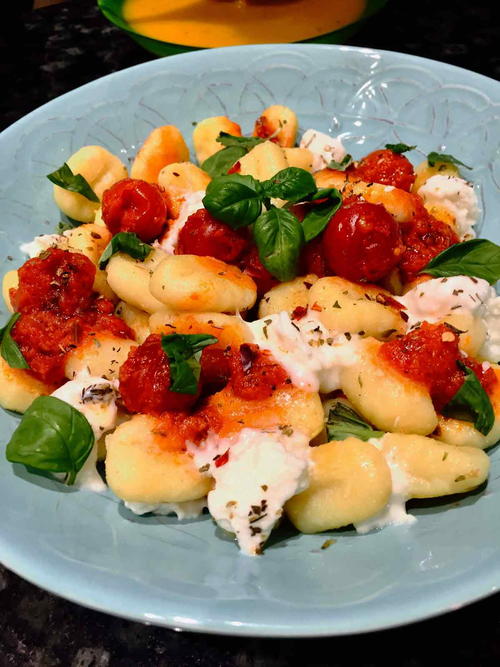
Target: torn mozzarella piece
[(457, 197), (255, 473), (42, 243), (192, 203), (95, 398), (190, 509), (311, 354), (394, 513), (323, 147), (434, 299)]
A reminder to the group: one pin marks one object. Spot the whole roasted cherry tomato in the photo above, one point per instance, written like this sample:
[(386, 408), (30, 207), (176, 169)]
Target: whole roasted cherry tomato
[(424, 238), (251, 265), (362, 242), (313, 258), (203, 234), (132, 205), (386, 167), (145, 381)]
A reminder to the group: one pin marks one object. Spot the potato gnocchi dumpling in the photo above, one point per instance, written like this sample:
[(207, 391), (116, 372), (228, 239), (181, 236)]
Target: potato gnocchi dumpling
[(206, 132), (165, 145), (201, 284), (129, 279), (350, 482), (100, 169), (287, 296), (18, 390), (101, 355)]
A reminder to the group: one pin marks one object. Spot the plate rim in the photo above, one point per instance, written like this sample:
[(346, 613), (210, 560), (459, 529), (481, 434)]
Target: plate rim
[(45, 576)]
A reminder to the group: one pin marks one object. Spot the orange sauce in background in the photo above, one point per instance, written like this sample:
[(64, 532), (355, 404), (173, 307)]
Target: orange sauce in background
[(212, 23)]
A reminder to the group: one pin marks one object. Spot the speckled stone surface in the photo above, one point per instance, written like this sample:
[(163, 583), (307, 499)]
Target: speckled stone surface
[(49, 52)]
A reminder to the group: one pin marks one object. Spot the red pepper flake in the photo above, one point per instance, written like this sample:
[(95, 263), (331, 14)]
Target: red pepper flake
[(299, 312), (387, 300), (316, 307), (235, 169), (222, 459)]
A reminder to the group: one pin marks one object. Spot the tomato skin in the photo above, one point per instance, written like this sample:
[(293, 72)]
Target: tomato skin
[(313, 258), (386, 167), (429, 355), (251, 265), (362, 242), (58, 280), (264, 129), (255, 374), (204, 235), (145, 381), (215, 369), (135, 206), (424, 238)]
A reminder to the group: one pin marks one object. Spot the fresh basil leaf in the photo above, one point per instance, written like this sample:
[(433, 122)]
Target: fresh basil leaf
[(219, 163), (9, 349), (235, 199), (434, 157), (344, 422), (472, 398), (399, 148), (319, 216), (478, 258), (242, 142), (128, 243), (279, 238), (184, 353), (293, 184), (52, 436), (343, 164), (67, 223), (66, 179)]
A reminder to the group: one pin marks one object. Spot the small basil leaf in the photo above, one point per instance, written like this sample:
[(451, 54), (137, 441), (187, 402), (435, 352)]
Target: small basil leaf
[(472, 398), (344, 422), (52, 436), (128, 243), (184, 353), (66, 179), (323, 193), (234, 199), (343, 164), (293, 184), (399, 148), (247, 143), (219, 163), (319, 216), (279, 238), (8, 347), (478, 258), (434, 157)]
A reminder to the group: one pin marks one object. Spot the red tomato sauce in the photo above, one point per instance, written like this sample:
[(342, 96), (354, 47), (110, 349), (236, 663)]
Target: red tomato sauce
[(429, 355), (386, 167), (424, 238), (255, 374), (58, 309)]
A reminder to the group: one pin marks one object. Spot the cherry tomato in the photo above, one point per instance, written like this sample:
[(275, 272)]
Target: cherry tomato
[(57, 280), (145, 381), (313, 258), (424, 238), (255, 374), (251, 265), (386, 167), (132, 205), (362, 242), (264, 129), (203, 234), (429, 355)]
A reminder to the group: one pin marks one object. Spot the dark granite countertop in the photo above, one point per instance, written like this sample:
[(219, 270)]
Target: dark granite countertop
[(50, 51)]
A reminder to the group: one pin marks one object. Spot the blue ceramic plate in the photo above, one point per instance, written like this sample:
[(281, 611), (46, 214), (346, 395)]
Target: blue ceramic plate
[(87, 547)]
